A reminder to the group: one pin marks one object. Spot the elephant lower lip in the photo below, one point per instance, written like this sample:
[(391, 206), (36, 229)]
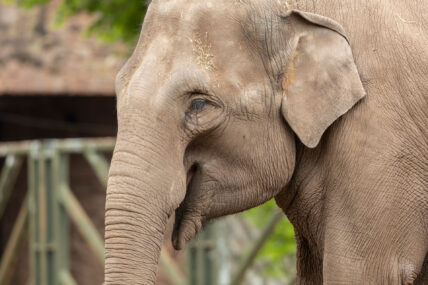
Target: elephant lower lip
[(179, 213), (183, 228), (178, 239)]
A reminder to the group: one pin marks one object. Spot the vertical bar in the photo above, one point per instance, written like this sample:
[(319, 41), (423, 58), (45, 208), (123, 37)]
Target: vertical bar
[(209, 262), (192, 264), (223, 256), (201, 259), (42, 222), (60, 240), (33, 185)]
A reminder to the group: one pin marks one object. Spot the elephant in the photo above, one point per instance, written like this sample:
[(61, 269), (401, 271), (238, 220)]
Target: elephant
[(321, 105)]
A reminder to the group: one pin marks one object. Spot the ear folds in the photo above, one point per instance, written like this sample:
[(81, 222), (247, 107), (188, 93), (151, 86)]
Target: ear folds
[(321, 80)]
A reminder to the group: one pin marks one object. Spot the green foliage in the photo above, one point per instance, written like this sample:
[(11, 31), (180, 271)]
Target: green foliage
[(30, 3), (115, 19), (280, 244)]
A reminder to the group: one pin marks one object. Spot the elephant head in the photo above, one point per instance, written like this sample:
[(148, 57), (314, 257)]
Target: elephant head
[(208, 108)]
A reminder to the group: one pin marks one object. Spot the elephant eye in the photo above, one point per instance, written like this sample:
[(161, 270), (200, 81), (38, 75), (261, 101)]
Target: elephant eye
[(197, 104)]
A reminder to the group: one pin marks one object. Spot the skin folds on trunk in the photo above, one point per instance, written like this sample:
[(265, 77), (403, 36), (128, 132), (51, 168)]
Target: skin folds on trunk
[(133, 237), (136, 215)]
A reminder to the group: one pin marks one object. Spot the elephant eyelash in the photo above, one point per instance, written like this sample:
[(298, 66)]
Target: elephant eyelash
[(197, 92)]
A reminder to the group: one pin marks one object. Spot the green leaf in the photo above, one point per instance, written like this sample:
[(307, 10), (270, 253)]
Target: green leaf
[(280, 244), (116, 20)]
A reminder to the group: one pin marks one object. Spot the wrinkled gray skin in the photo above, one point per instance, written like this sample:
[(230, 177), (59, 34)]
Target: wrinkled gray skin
[(226, 104)]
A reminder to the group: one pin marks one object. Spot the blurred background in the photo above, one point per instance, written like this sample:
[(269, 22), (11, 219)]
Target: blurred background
[(58, 61)]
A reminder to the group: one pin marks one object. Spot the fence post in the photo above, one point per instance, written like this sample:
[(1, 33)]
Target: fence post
[(49, 227), (202, 265), (33, 186), (60, 177)]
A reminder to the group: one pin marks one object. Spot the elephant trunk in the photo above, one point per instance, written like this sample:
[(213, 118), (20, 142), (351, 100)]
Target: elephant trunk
[(141, 195)]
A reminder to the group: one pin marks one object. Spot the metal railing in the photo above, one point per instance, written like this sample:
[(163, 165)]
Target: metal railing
[(50, 205)]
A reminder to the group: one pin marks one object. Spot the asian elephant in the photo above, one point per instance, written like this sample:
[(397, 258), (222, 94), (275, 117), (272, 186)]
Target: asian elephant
[(226, 104)]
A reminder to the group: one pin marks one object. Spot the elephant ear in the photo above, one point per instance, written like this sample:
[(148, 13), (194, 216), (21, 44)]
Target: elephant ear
[(321, 81)]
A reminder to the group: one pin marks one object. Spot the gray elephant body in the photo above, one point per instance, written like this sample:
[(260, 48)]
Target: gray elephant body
[(222, 107)]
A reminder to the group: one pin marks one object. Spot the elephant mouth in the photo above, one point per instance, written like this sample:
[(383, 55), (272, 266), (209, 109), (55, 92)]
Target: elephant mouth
[(187, 222), (190, 173)]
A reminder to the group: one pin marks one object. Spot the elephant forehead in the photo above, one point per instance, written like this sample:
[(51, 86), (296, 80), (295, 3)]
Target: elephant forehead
[(182, 46), (197, 30), (196, 17), (187, 9)]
